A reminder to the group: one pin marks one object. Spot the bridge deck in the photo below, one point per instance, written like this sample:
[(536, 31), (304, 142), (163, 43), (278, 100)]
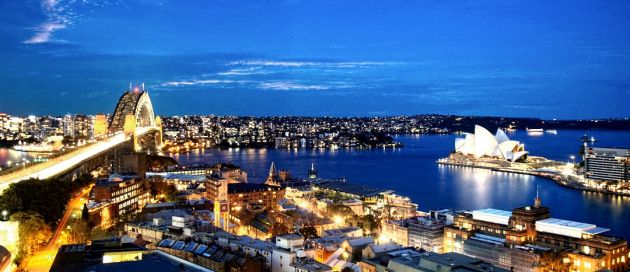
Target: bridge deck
[(67, 162)]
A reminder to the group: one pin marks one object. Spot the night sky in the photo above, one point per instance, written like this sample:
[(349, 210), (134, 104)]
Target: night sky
[(548, 59)]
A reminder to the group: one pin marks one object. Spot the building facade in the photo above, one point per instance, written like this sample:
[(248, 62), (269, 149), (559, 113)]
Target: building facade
[(607, 164), (510, 240)]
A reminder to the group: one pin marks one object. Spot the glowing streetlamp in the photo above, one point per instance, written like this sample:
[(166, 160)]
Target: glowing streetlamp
[(338, 220), (4, 215), (572, 159)]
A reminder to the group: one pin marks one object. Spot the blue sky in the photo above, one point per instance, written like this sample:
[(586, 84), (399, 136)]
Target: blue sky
[(549, 59)]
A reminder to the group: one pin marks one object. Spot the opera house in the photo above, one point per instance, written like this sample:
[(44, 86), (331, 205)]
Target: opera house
[(483, 144)]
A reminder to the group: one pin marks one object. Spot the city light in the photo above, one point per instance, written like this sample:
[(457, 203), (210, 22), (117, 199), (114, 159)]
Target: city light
[(339, 221)]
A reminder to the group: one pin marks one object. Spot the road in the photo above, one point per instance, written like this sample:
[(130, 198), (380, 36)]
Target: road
[(66, 162), (42, 260)]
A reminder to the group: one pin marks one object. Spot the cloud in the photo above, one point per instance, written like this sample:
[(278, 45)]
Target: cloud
[(44, 32), (59, 15), (243, 72), (195, 82), (286, 86), (306, 63)]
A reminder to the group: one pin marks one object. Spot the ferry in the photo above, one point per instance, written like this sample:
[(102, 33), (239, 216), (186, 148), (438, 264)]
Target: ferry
[(551, 131), (534, 131), (586, 139), (35, 148), (50, 145)]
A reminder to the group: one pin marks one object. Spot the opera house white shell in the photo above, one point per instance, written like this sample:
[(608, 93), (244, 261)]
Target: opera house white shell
[(483, 143)]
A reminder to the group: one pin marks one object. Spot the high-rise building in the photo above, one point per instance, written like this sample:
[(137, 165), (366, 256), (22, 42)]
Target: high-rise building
[(607, 164), (68, 125), (83, 126)]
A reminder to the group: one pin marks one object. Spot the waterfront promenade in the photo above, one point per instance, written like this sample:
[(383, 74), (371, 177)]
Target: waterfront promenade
[(562, 174)]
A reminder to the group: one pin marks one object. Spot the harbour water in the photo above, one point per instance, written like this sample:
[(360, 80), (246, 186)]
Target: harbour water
[(412, 171), (10, 157)]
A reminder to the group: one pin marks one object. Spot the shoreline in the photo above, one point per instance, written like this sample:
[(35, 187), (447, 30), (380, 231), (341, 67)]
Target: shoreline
[(557, 178)]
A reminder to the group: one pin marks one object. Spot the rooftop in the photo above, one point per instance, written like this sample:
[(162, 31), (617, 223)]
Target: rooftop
[(351, 188), (149, 263), (492, 215), (235, 188), (568, 228)]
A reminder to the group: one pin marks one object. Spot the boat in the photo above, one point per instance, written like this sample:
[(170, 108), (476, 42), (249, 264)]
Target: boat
[(50, 145), (551, 131), (534, 131), (35, 148), (586, 139)]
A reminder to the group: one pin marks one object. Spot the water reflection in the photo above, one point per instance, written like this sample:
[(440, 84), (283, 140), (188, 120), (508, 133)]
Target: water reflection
[(412, 171)]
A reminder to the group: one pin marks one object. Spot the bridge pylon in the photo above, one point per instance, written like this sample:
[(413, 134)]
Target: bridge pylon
[(158, 135)]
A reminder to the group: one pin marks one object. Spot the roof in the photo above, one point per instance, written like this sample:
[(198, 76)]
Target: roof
[(340, 231), (311, 265), (351, 188), (361, 241), (385, 248), (429, 261), (567, 227), (492, 215), (235, 188), (185, 177), (149, 263)]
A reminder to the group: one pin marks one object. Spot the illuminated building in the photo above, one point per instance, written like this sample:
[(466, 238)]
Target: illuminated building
[(272, 178), (326, 246), (168, 223), (433, 262), (83, 126), (100, 126), (312, 173), (254, 195), (79, 257), (286, 251), (217, 191), (607, 164), (116, 197), (68, 125), (396, 231), (483, 144), (516, 239), (212, 256)]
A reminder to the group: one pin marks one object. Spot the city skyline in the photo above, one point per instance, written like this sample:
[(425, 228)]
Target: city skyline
[(318, 59), (314, 136)]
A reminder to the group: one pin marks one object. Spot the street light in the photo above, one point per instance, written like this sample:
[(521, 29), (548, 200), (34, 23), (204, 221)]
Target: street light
[(4, 215), (573, 159)]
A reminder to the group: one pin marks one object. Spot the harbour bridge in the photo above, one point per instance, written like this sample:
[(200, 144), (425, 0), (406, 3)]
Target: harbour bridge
[(132, 128)]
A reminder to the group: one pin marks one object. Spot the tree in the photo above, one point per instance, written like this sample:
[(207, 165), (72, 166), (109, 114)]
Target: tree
[(163, 188), (33, 233), (278, 229), (347, 269), (45, 197), (552, 262), (309, 232), (369, 223), (80, 231)]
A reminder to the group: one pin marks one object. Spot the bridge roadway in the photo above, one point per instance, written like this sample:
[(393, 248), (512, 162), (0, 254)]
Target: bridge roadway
[(67, 162)]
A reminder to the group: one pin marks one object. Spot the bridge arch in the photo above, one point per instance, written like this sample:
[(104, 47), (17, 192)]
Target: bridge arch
[(136, 103)]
